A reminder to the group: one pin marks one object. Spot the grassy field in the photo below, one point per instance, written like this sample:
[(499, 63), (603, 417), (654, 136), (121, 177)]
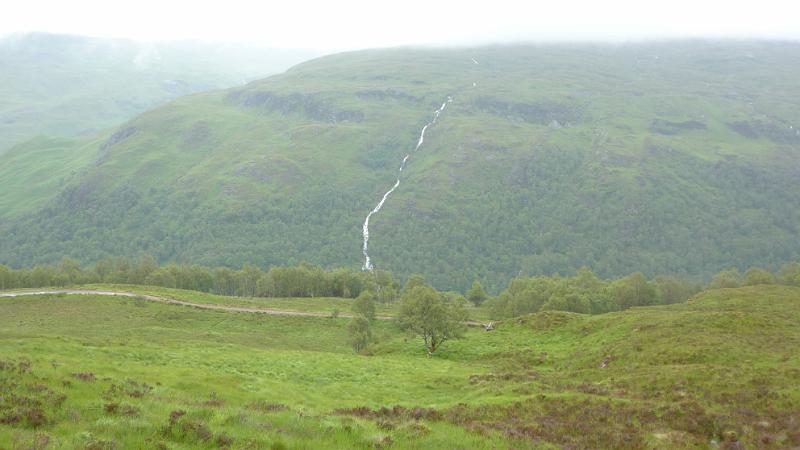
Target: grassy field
[(94, 372), (322, 305)]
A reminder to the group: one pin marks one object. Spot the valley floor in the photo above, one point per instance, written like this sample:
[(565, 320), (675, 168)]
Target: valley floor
[(91, 371)]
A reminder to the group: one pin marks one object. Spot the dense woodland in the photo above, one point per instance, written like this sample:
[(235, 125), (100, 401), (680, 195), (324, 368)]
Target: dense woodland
[(582, 293)]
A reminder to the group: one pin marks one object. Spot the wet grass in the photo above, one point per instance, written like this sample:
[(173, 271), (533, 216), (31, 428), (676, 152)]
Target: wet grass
[(95, 372)]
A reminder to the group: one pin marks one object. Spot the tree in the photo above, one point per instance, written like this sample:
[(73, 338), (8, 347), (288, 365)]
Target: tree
[(412, 282), (364, 305), (790, 274), (522, 296), (103, 269), (572, 302), (224, 281), (730, 278), (387, 294), (476, 294), (360, 332), (633, 290), (161, 277), (757, 275), (147, 265), (7, 279), (247, 279), (70, 270), (265, 286), (432, 316), (674, 290)]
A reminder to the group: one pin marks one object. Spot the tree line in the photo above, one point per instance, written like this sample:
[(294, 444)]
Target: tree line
[(303, 280), (583, 292), (435, 316), (586, 293)]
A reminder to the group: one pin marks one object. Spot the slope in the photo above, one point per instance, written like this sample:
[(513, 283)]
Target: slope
[(65, 85), (678, 157), (718, 370)]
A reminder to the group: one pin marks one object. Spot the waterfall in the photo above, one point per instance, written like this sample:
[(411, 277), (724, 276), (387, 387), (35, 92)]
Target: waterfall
[(365, 230)]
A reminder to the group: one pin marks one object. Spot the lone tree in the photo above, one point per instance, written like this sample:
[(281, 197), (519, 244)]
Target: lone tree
[(431, 315), (360, 333), (364, 305), (476, 294)]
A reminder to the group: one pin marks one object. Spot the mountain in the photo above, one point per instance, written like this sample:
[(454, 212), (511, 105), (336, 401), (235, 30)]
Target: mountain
[(671, 157), (65, 85)]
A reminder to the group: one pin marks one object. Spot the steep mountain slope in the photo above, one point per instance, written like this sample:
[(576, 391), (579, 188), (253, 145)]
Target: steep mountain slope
[(64, 85), (667, 158)]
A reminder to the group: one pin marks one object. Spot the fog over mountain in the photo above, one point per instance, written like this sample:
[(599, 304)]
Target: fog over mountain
[(354, 24)]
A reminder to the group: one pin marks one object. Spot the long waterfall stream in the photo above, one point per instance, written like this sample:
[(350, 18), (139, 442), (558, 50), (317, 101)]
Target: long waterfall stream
[(365, 249)]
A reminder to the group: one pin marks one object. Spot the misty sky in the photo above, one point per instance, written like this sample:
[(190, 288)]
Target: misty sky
[(347, 24)]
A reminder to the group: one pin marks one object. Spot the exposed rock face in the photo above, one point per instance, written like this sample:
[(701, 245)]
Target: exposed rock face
[(385, 94), (115, 139), (744, 128), (543, 113), (309, 105), (774, 130), (667, 127)]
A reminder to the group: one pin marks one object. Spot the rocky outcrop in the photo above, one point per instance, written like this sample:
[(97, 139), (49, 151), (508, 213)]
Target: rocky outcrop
[(309, 105), (543, 113), (116, 138), (667, 127)]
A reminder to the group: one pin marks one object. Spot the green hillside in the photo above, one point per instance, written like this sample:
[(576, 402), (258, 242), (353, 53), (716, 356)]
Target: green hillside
[(65, 85), (675, 158), (718, 371)]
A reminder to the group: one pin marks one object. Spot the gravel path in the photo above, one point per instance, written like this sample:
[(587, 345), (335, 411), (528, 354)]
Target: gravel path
[(172, 301)]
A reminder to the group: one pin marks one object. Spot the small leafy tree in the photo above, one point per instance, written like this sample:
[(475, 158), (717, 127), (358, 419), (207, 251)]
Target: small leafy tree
[(360, 333), (730, 278), (413, 281), (364, 305), (633, 290), (757, 275), (476, 294), (387, 294), (432, 316), (790, 274)]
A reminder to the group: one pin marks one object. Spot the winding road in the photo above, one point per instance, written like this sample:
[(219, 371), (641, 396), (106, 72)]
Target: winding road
[(206, 306)]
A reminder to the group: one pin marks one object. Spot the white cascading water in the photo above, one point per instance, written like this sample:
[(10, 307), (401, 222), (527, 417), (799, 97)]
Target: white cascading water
[(365, 230)]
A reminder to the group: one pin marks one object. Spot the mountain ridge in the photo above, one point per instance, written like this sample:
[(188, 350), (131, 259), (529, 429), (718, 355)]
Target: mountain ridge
[(66, 85)]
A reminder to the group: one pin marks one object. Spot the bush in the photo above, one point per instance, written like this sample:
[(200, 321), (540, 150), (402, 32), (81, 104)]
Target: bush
[(360, 333), (364, 305)]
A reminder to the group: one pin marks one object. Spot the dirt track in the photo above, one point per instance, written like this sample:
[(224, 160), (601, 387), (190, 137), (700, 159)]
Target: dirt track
[(172, 301)]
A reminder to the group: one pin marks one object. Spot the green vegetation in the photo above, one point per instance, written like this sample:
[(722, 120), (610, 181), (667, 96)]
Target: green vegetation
[(476, 294), (64, 86), (646, 162), (433, 316), (360, 332), (299, 288), (364, 305), (720, 370), (670, 158)]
